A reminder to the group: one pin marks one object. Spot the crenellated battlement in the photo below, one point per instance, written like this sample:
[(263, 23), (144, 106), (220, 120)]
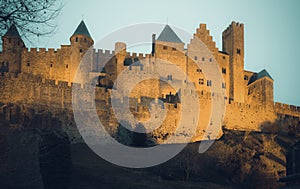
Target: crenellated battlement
[(103, 52), (232, 26), (34, 53), (41, 50), (46, 75), (137, 55), (287, 109), (25, 77)]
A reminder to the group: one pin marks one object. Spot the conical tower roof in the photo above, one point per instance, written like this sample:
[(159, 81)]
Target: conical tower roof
[(12, 31), (169, 35), (82, 30)]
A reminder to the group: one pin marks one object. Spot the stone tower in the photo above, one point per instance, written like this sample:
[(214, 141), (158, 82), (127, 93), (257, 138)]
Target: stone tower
[(233, 44), (81, 41), (12, 49), (260, 89), (170, 48), (120, 55)]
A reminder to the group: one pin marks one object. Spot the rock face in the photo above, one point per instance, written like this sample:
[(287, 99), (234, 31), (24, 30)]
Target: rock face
[(240, 159), (55, 160), (34, 157), (19, 161), (35, 153)]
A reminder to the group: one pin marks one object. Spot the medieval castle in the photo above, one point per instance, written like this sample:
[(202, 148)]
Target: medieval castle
[(45, 77)]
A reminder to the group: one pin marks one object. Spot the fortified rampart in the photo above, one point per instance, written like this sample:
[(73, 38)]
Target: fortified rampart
[(33, 90), (56, 63), (286, 109), (44, 77)]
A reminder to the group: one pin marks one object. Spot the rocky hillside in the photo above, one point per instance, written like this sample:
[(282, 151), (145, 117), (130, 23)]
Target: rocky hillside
[(36, 151)]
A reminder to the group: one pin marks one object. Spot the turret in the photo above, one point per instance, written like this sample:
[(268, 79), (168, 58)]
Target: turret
[(12, 48), (233, 44), (260, 89), (81, 38), (120, 55), (168, 39), (81, 41), (169, 47)]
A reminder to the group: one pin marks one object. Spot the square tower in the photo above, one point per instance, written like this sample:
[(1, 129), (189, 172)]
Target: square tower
[(233, 44)]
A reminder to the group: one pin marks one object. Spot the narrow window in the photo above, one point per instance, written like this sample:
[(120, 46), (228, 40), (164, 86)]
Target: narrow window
[(28, 63), (210, 59), (165, 47), (173, 48), (196, 58), (80, 50), (199, 70), (76, 39), (201, 81), (246, 77), (169, 77), (224, 70), (51, 65), (224, 85), (85, 40), (203, 58), (224, 57), (67, 66), (238, 51), (209, 83)]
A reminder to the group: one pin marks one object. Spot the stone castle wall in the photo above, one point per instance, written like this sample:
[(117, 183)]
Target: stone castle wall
[(241, 116), (56, 64), (46, 78), (28, 89), (286, 109)]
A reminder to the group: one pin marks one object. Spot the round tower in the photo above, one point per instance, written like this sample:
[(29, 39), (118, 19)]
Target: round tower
[(81, 41), (120, 54), (12, 47)]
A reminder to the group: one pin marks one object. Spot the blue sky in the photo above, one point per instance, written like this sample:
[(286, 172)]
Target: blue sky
[(272, 29)]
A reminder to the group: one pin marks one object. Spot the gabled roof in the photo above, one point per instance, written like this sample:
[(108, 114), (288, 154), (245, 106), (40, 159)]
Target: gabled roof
[(12, 31), (259, 75), (82, 30), (169, 35)]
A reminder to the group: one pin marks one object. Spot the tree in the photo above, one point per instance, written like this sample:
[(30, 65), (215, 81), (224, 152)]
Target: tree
[(31, 17)]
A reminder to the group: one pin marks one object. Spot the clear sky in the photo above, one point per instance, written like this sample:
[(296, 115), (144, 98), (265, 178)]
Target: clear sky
[(272, 29)]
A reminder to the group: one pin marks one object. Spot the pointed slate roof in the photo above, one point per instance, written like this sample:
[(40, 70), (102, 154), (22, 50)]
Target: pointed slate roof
[(259, 75), (169, 35), (12, 31), (82, 30)]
